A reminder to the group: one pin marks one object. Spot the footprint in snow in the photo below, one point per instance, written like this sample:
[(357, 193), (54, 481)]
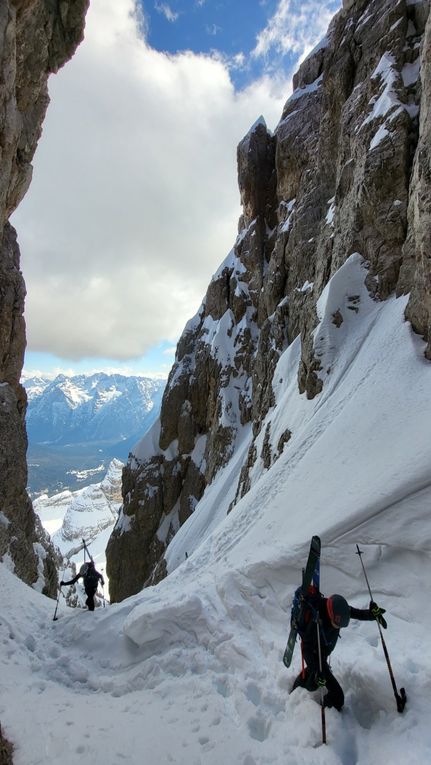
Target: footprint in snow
[(222, 687), (253, 694), (30, 643), (344, 743), (258, 728)]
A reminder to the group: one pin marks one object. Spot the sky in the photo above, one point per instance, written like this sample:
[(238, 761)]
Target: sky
[(134, 201), (190, 671)]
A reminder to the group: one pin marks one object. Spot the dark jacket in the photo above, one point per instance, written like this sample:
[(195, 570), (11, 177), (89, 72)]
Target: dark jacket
[(91, 578), (328, 635)]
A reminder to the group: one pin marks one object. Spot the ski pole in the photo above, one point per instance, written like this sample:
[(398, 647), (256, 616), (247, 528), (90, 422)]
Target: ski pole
[(400, 697), (322, 706), (58, 598), (54, 619)]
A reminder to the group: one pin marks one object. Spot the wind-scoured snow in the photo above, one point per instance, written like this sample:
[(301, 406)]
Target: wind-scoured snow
[(387, 104), (148, 446), (191, 671), (306, 90)]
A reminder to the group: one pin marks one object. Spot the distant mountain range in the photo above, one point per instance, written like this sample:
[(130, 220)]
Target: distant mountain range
[(76, 425)]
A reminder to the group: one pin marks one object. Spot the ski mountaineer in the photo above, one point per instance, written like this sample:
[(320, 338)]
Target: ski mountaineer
[(91, 580), (333, 613)]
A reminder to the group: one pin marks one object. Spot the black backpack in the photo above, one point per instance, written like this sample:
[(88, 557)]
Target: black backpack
[(91, 577), (305, 609)]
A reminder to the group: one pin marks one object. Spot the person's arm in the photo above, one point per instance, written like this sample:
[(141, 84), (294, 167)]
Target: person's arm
[(363, 614), (369, 614), (72, 581)]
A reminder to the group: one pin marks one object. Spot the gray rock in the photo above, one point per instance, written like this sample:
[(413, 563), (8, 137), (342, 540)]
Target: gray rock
[(347, 170), (36, 38), (415, 274)]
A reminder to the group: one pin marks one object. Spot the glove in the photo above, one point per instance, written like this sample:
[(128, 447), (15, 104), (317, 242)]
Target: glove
[(377, 613), (320, 680), (61, 583)]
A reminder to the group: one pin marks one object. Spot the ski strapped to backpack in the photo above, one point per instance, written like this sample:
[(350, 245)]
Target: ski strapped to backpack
[(86, 550), (304, 594)]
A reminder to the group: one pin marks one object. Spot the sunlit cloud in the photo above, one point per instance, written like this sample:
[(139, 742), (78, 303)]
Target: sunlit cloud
[(134, 201), (167, 11), (295, 27)]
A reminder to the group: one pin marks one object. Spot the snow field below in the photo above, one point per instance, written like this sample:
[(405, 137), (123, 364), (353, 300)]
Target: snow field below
[(206, 683), (191, 671)]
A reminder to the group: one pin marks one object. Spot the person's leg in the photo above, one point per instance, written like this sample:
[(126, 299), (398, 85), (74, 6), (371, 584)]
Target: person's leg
[(305, 680), (335, 695), (90, 599)]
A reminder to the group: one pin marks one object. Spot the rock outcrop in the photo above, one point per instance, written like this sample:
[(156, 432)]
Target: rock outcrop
[(347, 171), (416, 269), (36, 39), (6, 750)]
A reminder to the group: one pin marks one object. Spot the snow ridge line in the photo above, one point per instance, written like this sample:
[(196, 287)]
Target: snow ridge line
[(378, 513)]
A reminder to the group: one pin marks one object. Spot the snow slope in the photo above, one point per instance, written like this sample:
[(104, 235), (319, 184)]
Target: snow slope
[(190, 671)]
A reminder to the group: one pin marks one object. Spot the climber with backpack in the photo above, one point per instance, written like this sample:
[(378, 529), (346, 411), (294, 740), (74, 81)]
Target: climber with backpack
[(91, 579), (319, 620)]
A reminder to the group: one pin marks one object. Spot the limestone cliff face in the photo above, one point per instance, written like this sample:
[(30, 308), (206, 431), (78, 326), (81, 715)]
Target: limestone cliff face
[(416, 269), (36, 38), (347, 171)]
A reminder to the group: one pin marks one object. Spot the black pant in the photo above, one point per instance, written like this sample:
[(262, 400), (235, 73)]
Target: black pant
[(334, 696), (90, 593)]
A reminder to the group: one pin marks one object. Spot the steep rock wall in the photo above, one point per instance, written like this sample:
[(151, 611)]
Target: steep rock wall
[(347, 171), (36, 38), (416, 269)]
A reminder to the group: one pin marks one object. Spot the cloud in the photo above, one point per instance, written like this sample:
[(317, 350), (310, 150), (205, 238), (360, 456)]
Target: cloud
[(134, 201), (212, 29), (295, 27), (167, 12)]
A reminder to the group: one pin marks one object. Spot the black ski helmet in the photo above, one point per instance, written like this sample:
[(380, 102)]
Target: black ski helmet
[(338, 610)]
